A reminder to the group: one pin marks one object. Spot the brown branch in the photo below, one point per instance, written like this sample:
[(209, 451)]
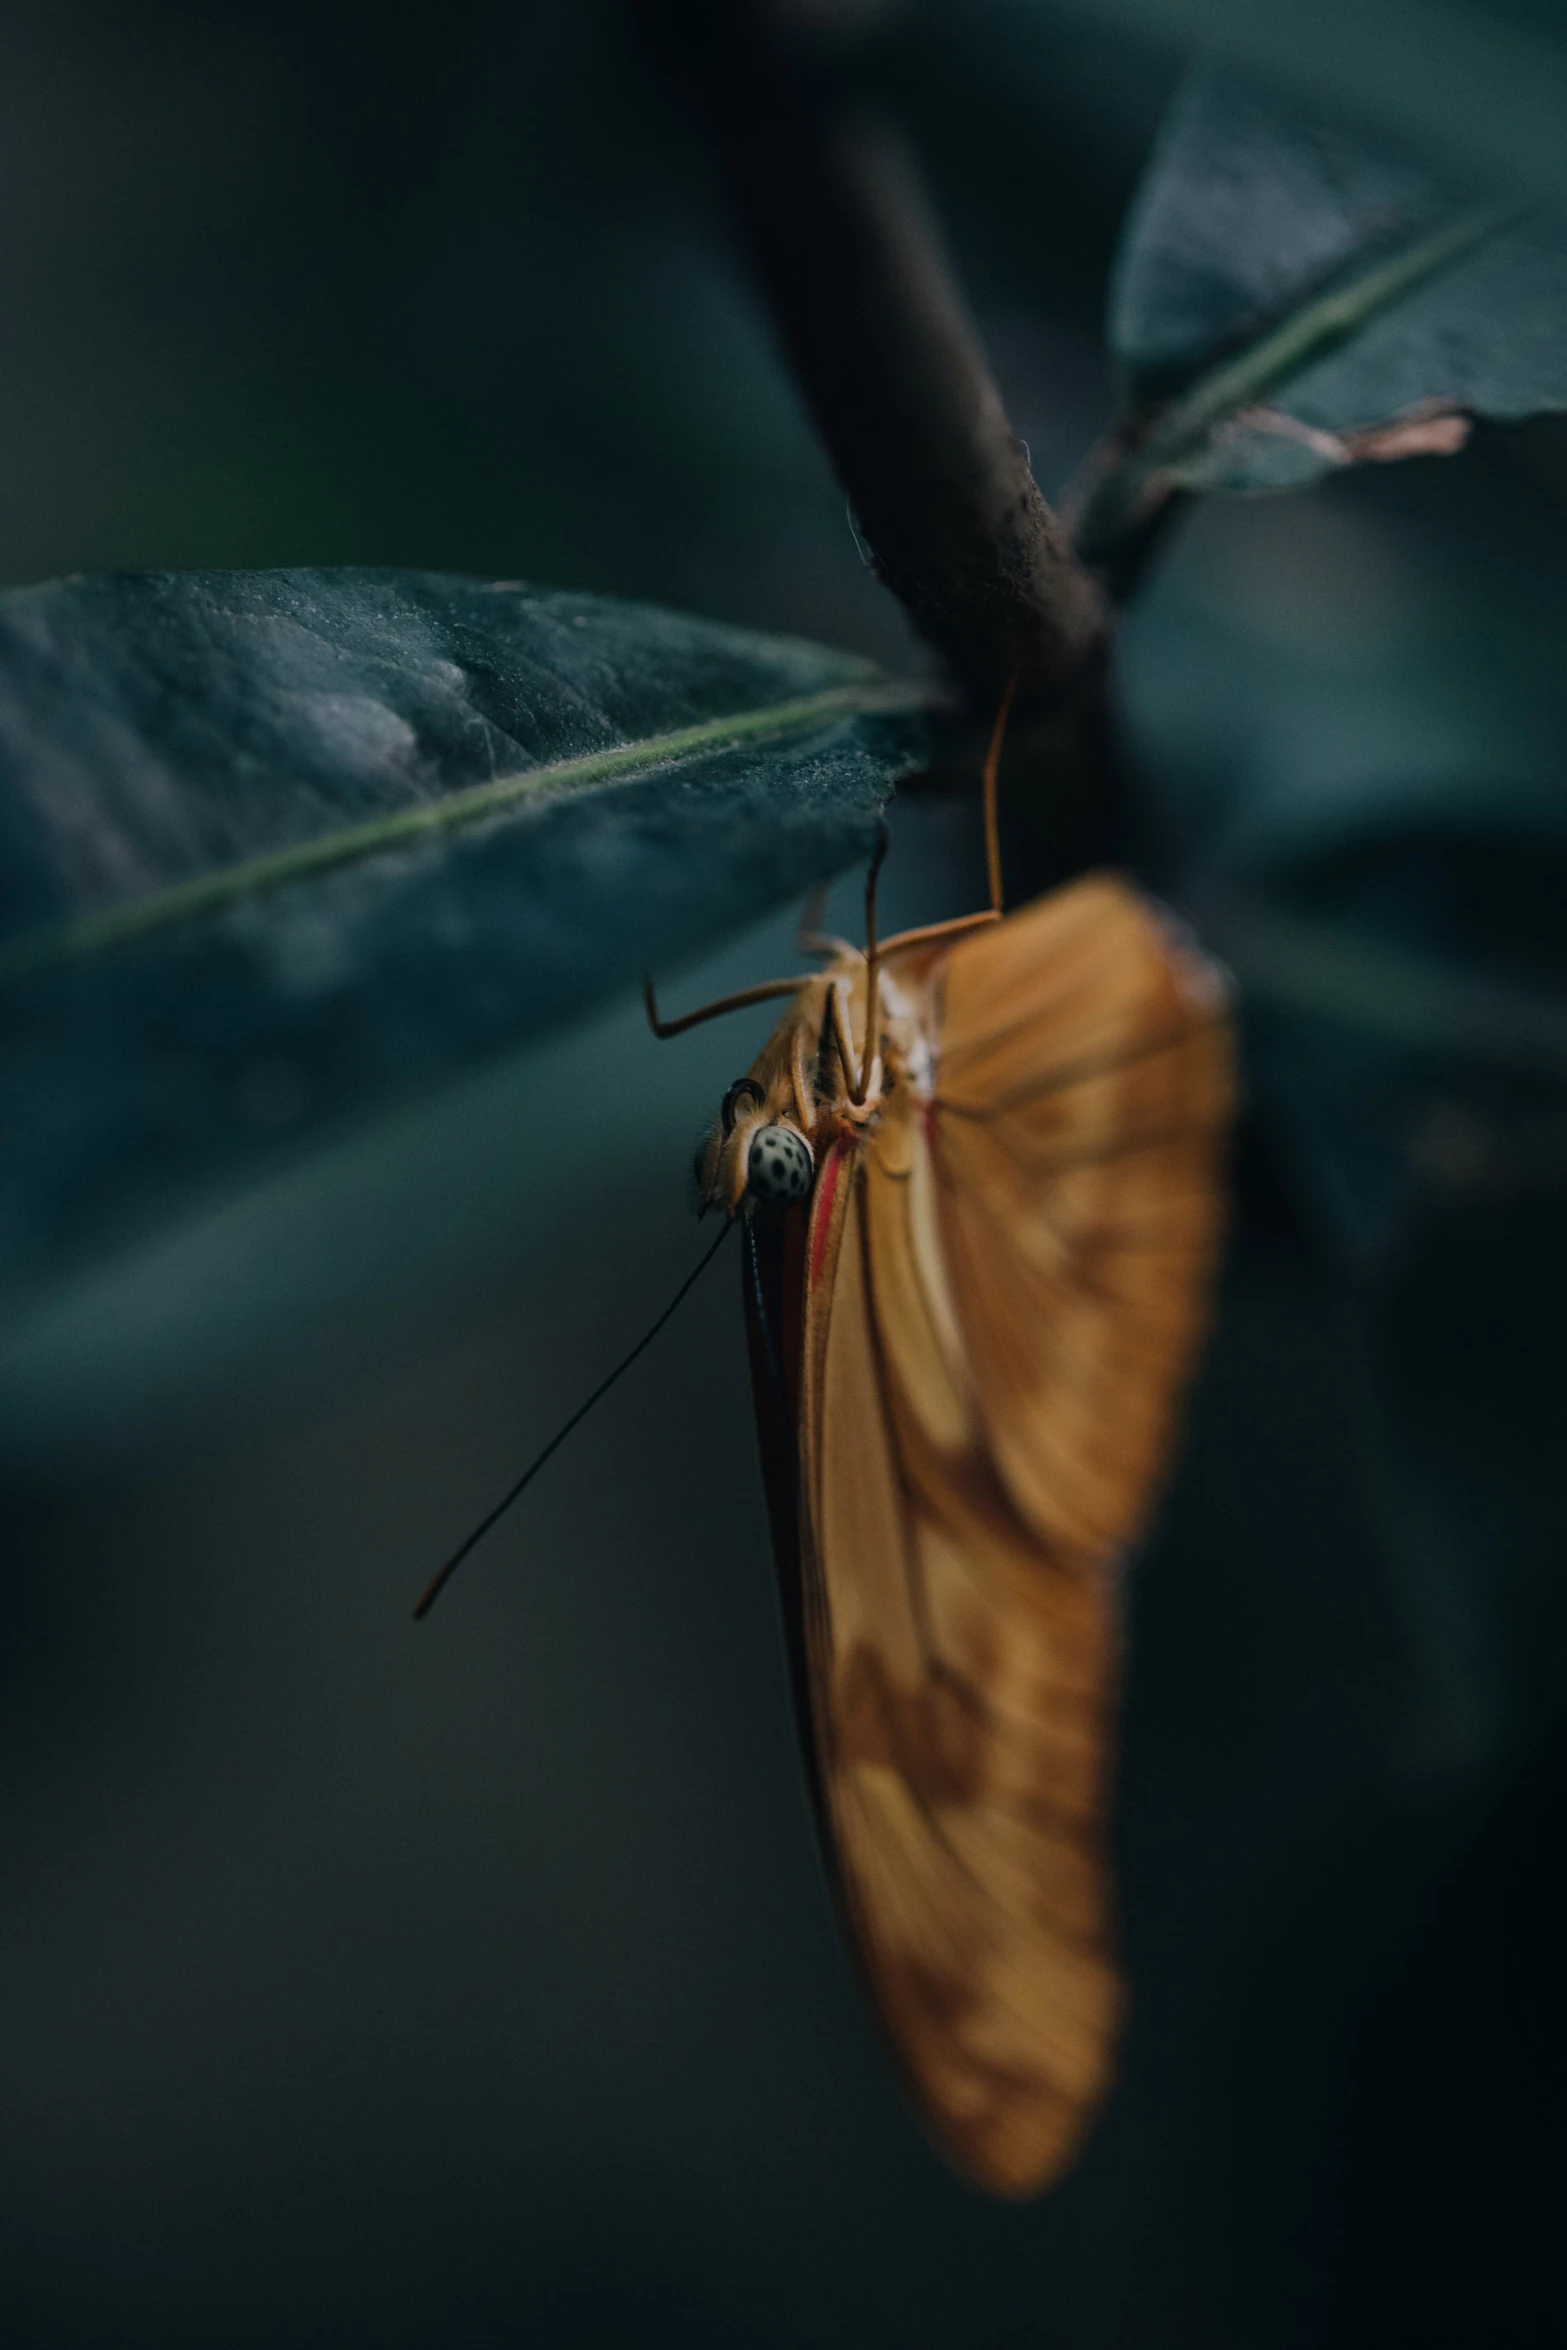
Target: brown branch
[(884, 351)]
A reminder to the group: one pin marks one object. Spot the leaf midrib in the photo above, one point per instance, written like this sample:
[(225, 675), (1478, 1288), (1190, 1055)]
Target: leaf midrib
[(228, 885)]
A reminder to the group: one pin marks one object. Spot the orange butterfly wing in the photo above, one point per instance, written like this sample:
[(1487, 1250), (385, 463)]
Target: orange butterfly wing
[(1004, 1287)]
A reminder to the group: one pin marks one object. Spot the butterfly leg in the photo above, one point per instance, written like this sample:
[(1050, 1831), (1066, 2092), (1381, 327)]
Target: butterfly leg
[(872, 965), (938, 930), (998, 735), (762, 994), (842, 1039), (810, 938)]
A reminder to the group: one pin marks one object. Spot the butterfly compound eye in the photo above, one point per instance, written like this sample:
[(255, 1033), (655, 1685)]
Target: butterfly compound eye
[(778, 1172)]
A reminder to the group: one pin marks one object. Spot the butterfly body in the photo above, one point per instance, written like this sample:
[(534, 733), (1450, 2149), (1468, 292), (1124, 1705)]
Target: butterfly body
[(968, 1344)]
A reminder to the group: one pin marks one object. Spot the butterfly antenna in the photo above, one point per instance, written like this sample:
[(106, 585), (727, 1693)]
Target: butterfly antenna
[(437, 1583), (753, 1265), (998, 735)]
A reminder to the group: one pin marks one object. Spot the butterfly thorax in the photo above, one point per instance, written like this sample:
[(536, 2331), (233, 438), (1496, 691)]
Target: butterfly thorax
[(779, 1122)]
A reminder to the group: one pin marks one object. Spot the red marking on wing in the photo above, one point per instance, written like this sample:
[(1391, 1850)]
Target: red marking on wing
[(821, 1206)]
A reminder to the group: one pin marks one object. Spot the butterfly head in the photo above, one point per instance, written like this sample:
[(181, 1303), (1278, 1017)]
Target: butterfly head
[(757, 1157)]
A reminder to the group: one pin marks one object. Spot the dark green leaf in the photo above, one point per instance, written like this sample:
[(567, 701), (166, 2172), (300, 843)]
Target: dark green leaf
[(1354, 725), (1351, 704), (281, 847), (1295, 295)]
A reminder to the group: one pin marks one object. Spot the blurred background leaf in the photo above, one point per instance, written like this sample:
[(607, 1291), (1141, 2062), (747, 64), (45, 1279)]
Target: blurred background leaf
[(1351, 706)]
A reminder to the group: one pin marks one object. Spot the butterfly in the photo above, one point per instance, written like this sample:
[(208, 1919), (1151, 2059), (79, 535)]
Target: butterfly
[(978, 1173)]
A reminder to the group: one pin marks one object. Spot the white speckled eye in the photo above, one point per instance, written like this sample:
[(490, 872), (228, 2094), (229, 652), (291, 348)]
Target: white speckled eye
[(778, 1171)]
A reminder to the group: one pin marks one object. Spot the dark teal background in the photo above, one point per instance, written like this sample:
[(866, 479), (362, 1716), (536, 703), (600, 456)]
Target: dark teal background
[(477, 1985)]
